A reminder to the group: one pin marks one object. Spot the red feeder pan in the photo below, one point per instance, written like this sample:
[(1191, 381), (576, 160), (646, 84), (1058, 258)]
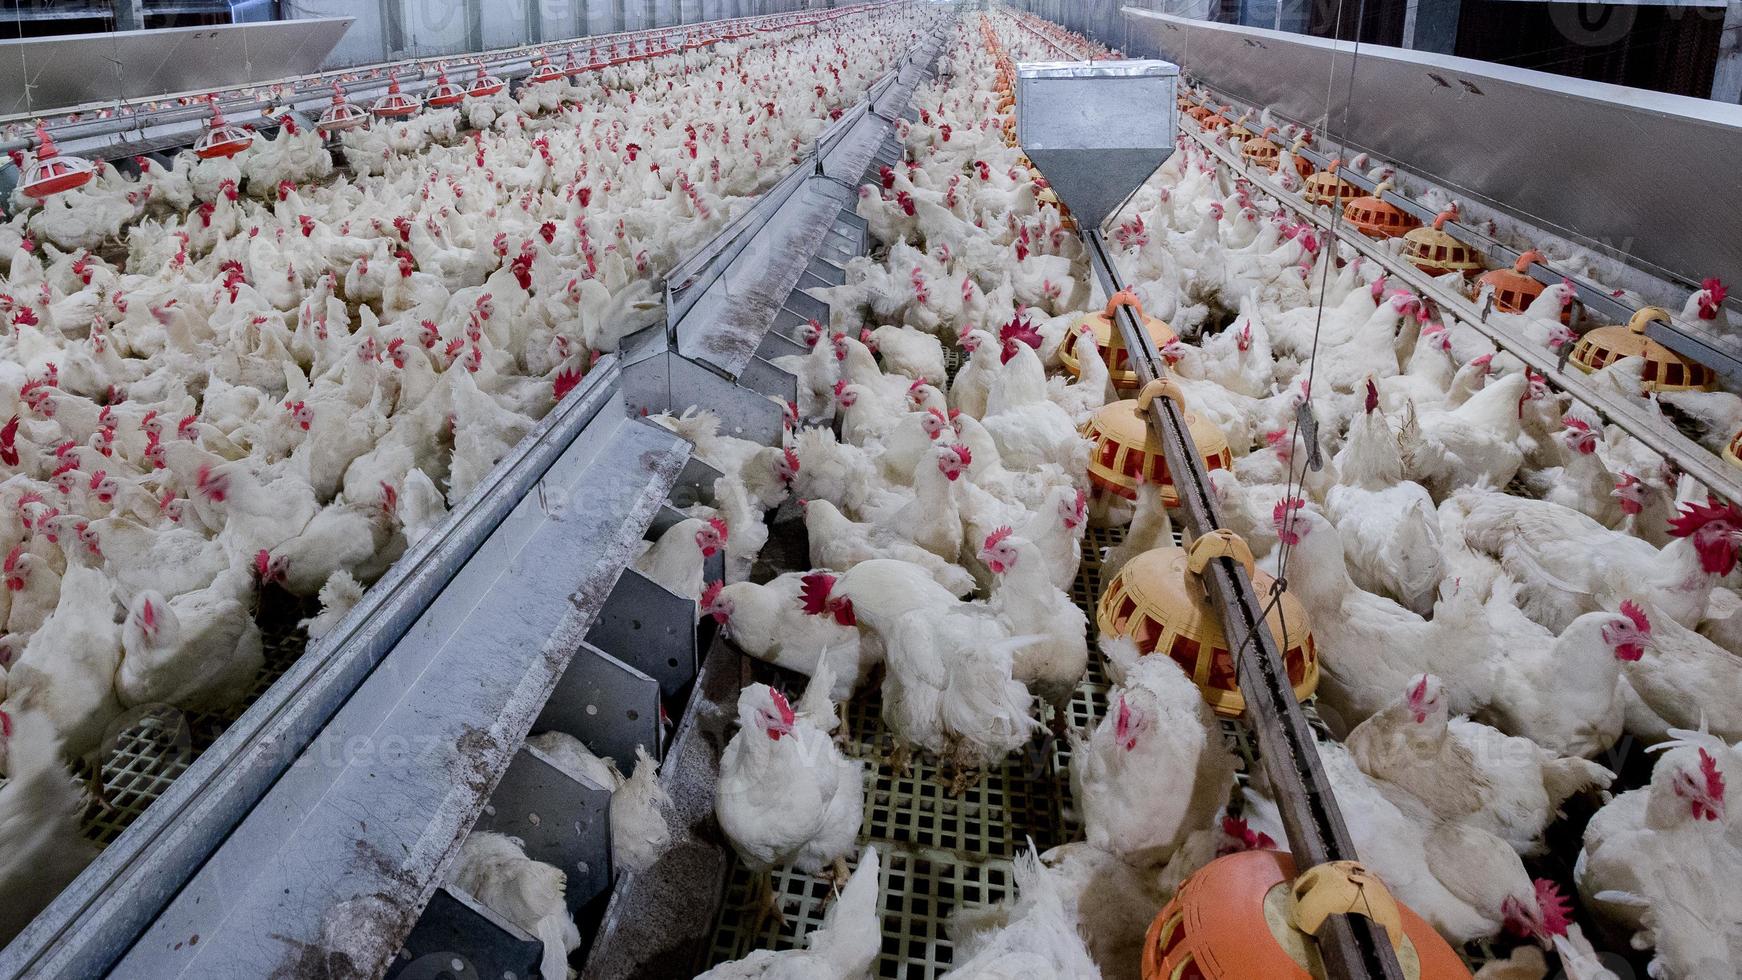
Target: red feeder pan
[(486, 84), (444, 93), (395, 104), (51, 173), (545, 72), (220, 138)]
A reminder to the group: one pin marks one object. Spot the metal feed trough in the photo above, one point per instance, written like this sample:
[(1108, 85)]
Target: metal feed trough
[(1096, 129)]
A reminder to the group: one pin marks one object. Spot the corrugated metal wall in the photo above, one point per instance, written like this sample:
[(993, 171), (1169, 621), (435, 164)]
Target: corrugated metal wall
[(385, 30)]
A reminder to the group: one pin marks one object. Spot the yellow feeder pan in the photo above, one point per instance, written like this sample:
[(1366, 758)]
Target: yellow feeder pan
[(1112, 343), (1665, 370), (1375, 218), (1125, 450), (1515, 288), (1325, 187), (1246, 916), (1437, 253), (1238, 130), (1158, 601), (1262, 152)]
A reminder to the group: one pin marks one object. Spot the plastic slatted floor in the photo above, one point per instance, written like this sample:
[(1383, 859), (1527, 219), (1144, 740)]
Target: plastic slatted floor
[(938, 853), (159, 743)]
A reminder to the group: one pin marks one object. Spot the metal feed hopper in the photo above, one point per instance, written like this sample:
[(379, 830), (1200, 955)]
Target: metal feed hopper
[(1096, 129)]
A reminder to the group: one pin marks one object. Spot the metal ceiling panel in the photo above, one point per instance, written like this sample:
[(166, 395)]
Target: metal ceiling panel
[(38, 74), (1636, 175)]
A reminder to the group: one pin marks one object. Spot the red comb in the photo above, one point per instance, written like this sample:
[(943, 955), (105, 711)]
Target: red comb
[(964, 454), (814, 592), (1555, 909), (1714, 780), (711, 591), (783, 706), (1372, 395), (1631, 610), (996, 536), (719, 527)]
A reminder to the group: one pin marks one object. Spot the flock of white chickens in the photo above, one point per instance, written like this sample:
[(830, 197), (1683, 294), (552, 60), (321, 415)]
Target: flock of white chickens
[(288, 377), (239, 375), (1505, 593)]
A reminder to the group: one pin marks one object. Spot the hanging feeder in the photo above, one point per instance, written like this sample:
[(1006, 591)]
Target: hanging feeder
[(51, 173), (1516, 288), (485, 85), (220, 138), (1200, 113), (1125, 450), (1374, 217), (1435, 252), (444, 93), (1112, 343), (1665, 370), (1158, 601), (341, 115), (1218, 121), (1238, 130), (1325, 187), (545, 71), (395, 104), (1215, 927), (1262, 152)]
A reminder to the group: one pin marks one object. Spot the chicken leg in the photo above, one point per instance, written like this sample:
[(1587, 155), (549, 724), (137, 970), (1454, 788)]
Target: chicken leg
[(768, 905)]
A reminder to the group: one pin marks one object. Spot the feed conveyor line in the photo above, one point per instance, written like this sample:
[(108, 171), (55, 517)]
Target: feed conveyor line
[(310, 836), (1694, 460), (149, 130), (737, 303), (1091, 129)]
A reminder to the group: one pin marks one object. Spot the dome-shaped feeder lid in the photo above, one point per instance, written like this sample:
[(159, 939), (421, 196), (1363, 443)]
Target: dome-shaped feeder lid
[(1112, 343), (1124, 450), (395, 104), (341, 115), (1158, 601), (1374, 217), (444, 93), (1434, 251), (546, 71), (1665, 370), (1263, 151), (486, 84), (51, 173), (1514, 288), (1325, 187), (1214, 927)]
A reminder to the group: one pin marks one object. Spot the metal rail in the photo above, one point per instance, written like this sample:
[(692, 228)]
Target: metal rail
[(1352, 947), (1695, 460)]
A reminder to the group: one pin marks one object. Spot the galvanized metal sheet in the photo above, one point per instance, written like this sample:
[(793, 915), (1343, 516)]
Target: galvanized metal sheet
[(504, 23), (39, 74), (348, 845), (651, 629), (1582, 159), (607, 704), (459, 938), (562, 818), (1097, 130)]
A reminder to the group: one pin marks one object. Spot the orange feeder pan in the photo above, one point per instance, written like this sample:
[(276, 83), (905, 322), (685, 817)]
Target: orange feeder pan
[(1125, 450), (1515, 288), (1437, 253), (1262, 152), (1373, 217), (1302, 165), (1112, 343), (50, 173), (1159, 602), (220, 138), (1219, 120), (1665, 370), (1325, 187), (1233, 920)]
